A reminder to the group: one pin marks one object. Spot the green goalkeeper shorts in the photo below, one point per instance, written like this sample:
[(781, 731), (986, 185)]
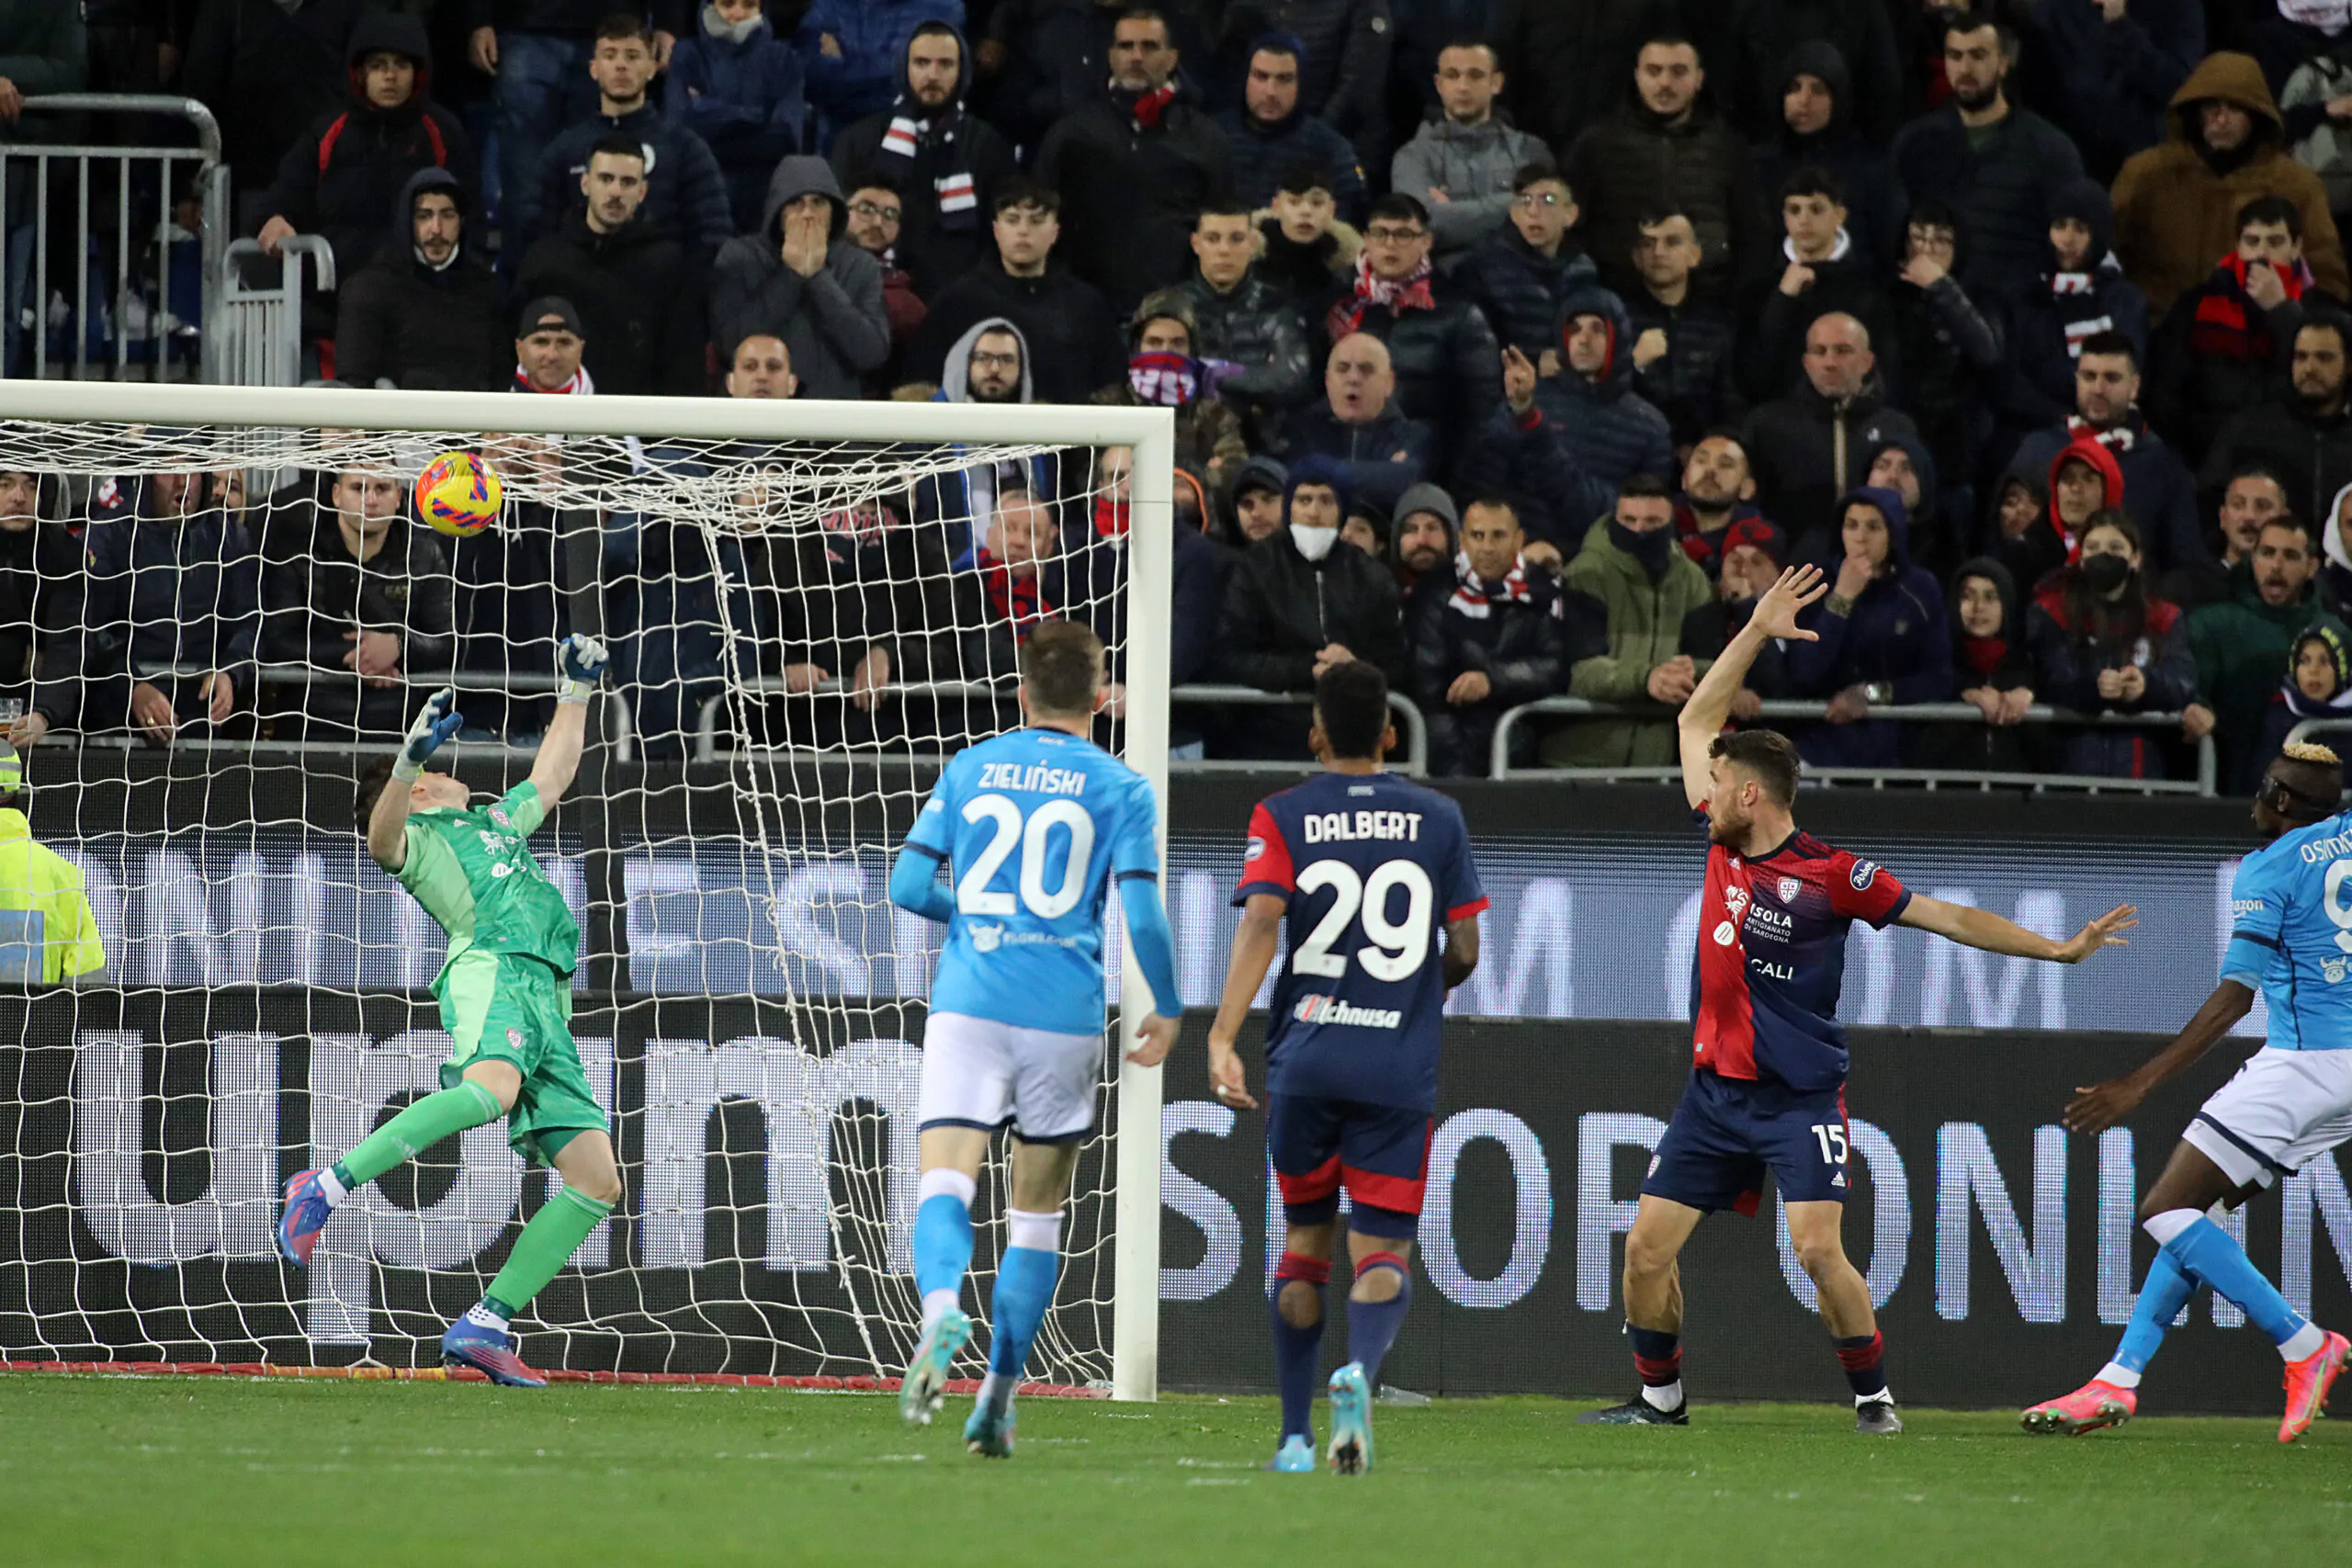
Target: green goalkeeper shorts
[(503, 1007)]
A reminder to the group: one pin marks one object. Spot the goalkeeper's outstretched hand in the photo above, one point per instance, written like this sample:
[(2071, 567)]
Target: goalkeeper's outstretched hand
[(580, 664), (436, 721)]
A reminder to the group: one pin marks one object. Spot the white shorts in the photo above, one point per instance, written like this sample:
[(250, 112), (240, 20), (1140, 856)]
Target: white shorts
[(2281, 1109), (979, 1073)]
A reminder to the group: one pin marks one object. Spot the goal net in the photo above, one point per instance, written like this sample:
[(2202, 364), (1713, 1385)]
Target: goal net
[(224, 608)]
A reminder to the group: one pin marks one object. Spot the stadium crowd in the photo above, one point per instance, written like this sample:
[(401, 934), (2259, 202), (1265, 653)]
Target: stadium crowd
[(1513, 345)]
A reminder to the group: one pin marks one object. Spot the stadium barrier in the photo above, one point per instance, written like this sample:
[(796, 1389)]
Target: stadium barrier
[(1416, 763), (1500, 765), (108, 333), (620, 734), (150, 1130), (258, 327)]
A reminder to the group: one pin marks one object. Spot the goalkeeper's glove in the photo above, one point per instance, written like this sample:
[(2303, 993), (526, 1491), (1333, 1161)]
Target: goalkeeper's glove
[(579, 668), (436, 721)]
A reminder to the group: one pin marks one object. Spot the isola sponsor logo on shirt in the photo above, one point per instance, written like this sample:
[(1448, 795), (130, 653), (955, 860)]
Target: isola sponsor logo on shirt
[(1332, 1010)]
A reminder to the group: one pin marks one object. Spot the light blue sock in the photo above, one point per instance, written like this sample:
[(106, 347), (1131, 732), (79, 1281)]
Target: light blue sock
[(1025, 1289), (943, 1250), (2166, 1292), (2206, 1251)]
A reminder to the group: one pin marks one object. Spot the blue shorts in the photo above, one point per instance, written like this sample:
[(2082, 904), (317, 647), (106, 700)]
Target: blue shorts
[(1381, 1152), (1727, 1133)]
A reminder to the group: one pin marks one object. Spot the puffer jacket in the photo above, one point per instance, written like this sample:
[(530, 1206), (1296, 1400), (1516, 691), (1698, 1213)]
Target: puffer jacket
[(1256, 326), (1524, 646), (420, 329), (1519, 287), (1632, 161), (2068, 657), (1694, 384), (1130, 194), (2002, 190), (832, 322), (1610, 430), (1449, 368), (744, 97), (685, 190), (1896, 633), (2107, 83), (1645, 619), (1281, 609), (1381, 460), (2048, 323), (1874, 202), (1263, 153), (2176, 204), (861, 78), (1474, 166)]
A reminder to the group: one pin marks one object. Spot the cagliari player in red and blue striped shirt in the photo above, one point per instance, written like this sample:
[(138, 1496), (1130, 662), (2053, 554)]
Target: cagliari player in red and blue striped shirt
[(1768, 1080)]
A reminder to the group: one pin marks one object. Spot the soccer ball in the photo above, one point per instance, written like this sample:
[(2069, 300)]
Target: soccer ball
[(459, 494)]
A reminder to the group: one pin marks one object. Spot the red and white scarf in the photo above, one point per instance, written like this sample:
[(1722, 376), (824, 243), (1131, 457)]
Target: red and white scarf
[(955, 189), (580, 386), (2118, 440), (1475, 597), (1397, 295)]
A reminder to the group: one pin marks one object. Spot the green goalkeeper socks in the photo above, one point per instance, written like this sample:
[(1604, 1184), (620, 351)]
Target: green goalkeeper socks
[(545, 1245), (410, 1133)]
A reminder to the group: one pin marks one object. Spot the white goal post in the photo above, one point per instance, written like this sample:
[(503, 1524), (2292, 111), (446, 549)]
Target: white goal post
[(31, 410)]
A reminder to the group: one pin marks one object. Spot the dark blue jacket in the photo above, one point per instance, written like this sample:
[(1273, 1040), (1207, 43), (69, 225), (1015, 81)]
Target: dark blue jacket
[(1611, 431), (1262, 154), (1381, 460), (1532, 463), (686, 192), (1520, 288), (2044, 324), (1896, 634), (745, 100), (863, 77), (2002, 192)]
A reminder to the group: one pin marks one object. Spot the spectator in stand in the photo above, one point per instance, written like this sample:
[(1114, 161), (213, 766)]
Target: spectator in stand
[(2226, 344), (1273, 133), (2253, 497), (356, 591), (2083, 479), (945, 162), (1244, 320), (1647, 588), (1134, 165), (339, 179), (2311, 102), (427, 314), (855, 53), (2018, 506), (1718, 491), (2082, 290), (1809, 449), (1822, 274), (1611, 431), (1443, 349), (1258, 490), (1163, 372), (40, 567), (1993, 665), (1366, 529), (543, 53), (1753, 554), (1004, 580), (1765, 34), (762, 369), (1045, 58), (549, 345), (1666, 148), (1683, 346), (268, 72), (1306, 247), (2102, 643), (1297, 603), (989, 365), (2241, 644), (1462, 166), (1344, 49), (2108, 68), (2107, 398), (1937, 539), (1488, 632), (1997, 164), (1421, 535), (2177, 205), (1074, 340), (799, 278), (1569, 60), (737, 85), (2318, 683), (1538, 462), (639, 296), (1815, 130), (686, 196), (168, 582), (1521, 271), (1882, 637), (1357, 431), (2305, 436), (875, 212), (1950, 353)]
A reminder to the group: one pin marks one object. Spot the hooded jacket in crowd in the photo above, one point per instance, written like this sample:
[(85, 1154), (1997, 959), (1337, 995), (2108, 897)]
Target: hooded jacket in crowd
[(1646, 587), (1633, 161), (739, 87), (1874, 202), (1134, 170), (685, 190), (2001, 179), (1265, 152), (1474, 166), (962, 499), (2176, 204), (2001, 662), (833, 320), (1531, 461), (1894, 635), (1766, 37), (2074, 635), (1611, 431), (1523, 633), (868, 68), (424, 328), (2048, 322), (1344, 51), (2164, 497), (2292, 706), (2335, 571), (947, 165)]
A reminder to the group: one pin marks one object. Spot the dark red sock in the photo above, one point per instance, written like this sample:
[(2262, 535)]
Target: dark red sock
[(1658, 1356), (1864, 1359)]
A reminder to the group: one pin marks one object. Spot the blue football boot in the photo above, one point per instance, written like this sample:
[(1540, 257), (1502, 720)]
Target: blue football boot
[(489, 1352), (924, 1388), (1351, 1420)]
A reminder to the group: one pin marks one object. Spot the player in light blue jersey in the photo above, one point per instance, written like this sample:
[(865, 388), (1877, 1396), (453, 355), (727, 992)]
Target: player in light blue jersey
[(1031, 827), (2290, 938)]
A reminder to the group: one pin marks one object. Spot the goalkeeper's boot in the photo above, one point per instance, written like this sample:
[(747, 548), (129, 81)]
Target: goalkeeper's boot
[(2090, 1407), (489, 1352), (1351, 1420), (1296, 1457), (307, 1211), (924, 1388), (2308, 1381), (990, 1431), (1637, 1412)]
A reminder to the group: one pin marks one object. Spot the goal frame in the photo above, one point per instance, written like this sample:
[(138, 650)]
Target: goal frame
[(1150, 432)]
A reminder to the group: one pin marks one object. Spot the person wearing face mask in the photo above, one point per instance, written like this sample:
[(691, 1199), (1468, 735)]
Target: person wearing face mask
[(1647, 587), (1299, 603), (2103, 644), (2318, 683), (1883, 638), (1753, 554), (1164, 372), (1993, 670)]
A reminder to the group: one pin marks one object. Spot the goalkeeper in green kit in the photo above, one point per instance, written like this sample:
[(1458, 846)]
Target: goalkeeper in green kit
[(506, 995)]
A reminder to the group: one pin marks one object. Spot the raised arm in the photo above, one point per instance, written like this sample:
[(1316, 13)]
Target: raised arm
[(1253, 953), (580, 669), (1983, 928), (1702, 716), (387, 823)]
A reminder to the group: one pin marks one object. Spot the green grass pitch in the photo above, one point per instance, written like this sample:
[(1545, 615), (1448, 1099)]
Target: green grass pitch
[(169, 1471)]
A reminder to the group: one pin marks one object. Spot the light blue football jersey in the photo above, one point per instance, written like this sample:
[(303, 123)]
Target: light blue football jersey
[(2291, 934), (1033, 826)]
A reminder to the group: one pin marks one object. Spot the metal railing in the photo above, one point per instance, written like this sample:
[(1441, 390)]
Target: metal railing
[(1500, 765), (211, 176), (2311, 727), (1417, 729), (258, 332)]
